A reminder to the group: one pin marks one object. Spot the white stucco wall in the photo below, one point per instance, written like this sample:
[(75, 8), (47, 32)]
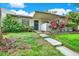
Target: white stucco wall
[(45, 27), (31, 22), (40, 25), (18, 19)]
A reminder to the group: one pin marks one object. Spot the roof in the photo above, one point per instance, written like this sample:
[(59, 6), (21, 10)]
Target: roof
[(45, 16), (49, 13), (40, 15), (19, 16)]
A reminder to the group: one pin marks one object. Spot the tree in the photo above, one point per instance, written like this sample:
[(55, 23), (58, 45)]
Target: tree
[(74, 16), (0, 26), (11, 25)]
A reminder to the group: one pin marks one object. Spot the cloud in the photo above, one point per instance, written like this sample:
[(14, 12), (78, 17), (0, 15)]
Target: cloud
[(22, 12), (60, 11), (68, 10), (18, 5), (13, 11), (69, 4), (77, 8), (32, 14)]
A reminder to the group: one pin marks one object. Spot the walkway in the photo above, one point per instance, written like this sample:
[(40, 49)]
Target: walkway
[(64, 50)]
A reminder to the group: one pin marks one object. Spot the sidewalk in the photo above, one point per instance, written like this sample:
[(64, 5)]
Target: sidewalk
[(64, 50)]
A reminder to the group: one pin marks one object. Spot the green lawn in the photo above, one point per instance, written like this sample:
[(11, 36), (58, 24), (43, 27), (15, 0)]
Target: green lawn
[(35, 45), (69, 40)]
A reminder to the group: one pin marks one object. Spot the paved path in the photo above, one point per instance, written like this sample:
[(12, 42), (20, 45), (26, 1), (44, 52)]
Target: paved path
[(44, 35), (64, 50), (53, 42)]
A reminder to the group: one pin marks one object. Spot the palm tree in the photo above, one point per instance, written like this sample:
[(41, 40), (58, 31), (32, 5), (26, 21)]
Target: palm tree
[(74, 16)]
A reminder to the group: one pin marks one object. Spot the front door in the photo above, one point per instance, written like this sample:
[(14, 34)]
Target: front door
[(36, 23)]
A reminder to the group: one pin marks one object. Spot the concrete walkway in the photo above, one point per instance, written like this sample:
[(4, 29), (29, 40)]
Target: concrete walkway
[(64, 50), (53, 42), (44, 35)]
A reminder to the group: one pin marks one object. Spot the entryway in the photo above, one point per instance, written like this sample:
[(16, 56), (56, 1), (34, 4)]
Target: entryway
[(36, 24)]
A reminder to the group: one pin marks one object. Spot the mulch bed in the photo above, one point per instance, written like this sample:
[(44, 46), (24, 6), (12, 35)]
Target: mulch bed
[(6, 44)]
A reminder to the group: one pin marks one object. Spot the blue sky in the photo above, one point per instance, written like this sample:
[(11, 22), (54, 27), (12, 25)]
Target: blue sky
[(30, 7)]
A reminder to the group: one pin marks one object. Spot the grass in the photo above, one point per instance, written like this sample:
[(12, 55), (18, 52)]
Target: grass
[(69, 40), (36, 46)]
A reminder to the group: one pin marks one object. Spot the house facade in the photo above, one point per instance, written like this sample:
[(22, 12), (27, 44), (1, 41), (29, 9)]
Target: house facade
[(40, 20)]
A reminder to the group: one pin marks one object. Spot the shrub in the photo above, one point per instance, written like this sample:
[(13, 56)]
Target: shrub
[(1, 36), (10, 25), (30, 28), (72, 25)]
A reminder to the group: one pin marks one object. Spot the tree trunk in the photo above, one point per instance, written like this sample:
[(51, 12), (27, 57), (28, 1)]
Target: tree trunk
[(0, 26)]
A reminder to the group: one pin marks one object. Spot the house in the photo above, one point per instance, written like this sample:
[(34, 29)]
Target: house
[(40, 21)]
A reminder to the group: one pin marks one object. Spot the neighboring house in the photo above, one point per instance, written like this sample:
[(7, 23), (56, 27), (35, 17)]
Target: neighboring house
[(4, 13), (40, 20)]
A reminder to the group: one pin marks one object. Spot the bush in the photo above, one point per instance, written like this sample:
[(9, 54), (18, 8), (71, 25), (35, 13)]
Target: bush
[(10, 25), (28, 28), (71, 24)]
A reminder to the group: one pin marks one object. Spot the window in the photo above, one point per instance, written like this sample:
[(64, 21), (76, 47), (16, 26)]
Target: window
[(25, 21)]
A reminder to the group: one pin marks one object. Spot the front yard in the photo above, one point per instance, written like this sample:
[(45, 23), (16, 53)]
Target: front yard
[(29, 44), (69, 40)]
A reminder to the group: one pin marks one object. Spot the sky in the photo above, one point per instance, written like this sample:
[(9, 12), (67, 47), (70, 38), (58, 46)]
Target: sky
[(29, 8)]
